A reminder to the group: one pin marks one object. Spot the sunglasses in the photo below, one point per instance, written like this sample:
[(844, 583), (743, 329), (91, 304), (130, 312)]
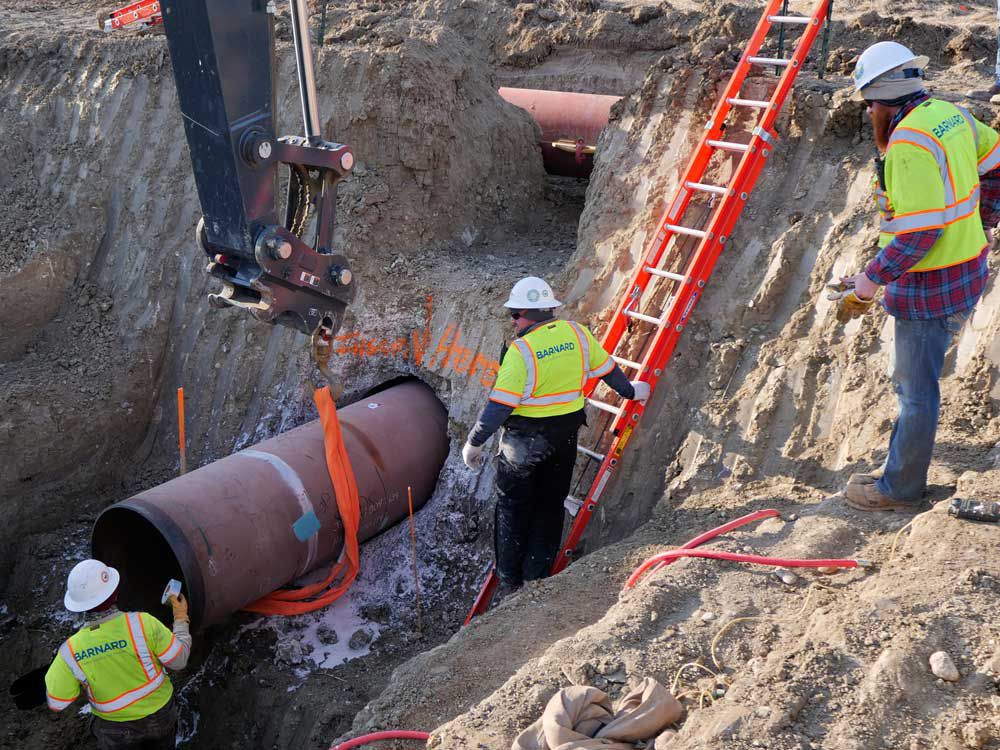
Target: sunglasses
[(515, 315)]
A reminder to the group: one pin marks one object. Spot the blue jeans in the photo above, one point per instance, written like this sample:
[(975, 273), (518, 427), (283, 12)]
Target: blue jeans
[(920, 349)]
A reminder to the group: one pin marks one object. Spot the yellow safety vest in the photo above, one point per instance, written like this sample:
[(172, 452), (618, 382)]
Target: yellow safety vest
[(544, 372), (120, 663), (932, 167)]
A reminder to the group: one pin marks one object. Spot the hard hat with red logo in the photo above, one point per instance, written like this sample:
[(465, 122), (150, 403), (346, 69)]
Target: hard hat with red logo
[(89, 585)]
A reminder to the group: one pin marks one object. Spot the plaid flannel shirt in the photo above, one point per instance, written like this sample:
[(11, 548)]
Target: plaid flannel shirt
[(926, 295)]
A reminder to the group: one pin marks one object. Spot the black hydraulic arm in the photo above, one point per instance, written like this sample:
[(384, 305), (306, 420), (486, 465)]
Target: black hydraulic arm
[(222, 53)]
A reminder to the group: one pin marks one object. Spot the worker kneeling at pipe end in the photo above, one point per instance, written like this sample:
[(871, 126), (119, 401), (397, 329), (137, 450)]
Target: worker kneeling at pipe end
[(119, 657)]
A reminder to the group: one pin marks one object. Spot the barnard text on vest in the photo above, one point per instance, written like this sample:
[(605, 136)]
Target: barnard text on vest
[(945, 125), (566, 346), (100, 649)]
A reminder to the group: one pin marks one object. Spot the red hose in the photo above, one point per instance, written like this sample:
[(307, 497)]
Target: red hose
[(735, 557), (378, 737), (718, 530)]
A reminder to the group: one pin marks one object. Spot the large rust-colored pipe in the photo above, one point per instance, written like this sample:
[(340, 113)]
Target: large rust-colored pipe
[(566, 119), (236, 529)]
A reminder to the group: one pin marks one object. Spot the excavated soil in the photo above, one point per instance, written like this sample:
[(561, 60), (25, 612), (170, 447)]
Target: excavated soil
[(768, 403)]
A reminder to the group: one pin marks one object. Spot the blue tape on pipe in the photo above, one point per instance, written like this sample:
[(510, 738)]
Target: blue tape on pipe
[(307, 526)]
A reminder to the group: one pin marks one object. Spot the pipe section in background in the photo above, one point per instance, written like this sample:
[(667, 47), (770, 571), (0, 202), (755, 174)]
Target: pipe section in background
[(237, 529), (566, 120)]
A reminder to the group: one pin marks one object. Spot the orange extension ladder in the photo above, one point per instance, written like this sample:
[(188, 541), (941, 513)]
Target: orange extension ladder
[(143, 13), (654, 333)]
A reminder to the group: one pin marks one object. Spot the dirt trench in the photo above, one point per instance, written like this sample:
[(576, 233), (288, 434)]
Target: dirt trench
[(768, 403)]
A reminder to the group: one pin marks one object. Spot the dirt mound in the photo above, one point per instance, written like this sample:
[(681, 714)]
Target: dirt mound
[(839, 662)]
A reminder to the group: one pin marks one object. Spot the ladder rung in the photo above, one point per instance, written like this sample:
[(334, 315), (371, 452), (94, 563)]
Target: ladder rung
[(677, 229), (729, 146), (666, 274), (758, 103), (627, 362), (706, 188), (804, 20), (603, 407), (640, 316), (588, 452), (776, 61)]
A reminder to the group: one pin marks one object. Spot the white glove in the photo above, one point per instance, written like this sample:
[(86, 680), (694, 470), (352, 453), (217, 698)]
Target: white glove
[(472, 455), (642, 390)]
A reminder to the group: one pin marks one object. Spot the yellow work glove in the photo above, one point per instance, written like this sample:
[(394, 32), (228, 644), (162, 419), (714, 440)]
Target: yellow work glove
[(849, 304), (180, 606)]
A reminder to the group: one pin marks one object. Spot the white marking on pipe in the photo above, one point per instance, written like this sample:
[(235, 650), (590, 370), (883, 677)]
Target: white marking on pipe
[(291, 479)]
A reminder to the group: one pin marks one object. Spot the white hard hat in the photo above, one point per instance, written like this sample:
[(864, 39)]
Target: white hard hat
[(888, 63), (531, 293), (90, 583)]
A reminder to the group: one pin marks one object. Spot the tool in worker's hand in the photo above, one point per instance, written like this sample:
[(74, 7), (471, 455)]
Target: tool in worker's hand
[(178, 603), (849, 304), (975, 510), (173, 589)]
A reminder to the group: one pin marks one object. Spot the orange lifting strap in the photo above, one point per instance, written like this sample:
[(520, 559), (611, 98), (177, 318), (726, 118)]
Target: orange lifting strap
[(318, 595)]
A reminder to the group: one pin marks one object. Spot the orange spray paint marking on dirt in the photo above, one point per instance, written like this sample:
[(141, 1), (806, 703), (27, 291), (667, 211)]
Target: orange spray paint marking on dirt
[(446, 354), (180, 430), (413, 539)]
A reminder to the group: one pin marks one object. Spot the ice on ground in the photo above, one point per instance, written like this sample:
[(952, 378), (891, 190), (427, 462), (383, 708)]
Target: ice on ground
[(344, 618)]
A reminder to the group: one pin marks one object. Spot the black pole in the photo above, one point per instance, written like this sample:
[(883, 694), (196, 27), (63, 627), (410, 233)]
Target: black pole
[(826, 39), (322, 26), (781, 37)]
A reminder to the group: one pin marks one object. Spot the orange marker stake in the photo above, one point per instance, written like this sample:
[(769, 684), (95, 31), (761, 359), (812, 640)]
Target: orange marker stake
[(180, 429), (413, 539)]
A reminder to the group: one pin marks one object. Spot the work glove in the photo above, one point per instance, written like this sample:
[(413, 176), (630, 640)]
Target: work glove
[(642, 390), (849, 304), (180, 606), (472, 455)]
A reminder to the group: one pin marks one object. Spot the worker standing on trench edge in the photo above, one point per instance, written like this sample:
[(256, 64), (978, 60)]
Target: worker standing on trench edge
[(938, 185), (119, 658), (538, 399)]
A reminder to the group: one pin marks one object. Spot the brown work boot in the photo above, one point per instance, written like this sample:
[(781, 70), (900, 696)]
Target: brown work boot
[(863, 478), (867, 497), (984, 95)]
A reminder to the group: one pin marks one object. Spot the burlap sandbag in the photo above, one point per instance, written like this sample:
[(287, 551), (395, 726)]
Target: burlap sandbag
[(583, 718)]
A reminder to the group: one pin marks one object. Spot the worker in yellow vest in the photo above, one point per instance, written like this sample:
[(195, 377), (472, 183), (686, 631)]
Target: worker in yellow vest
[(118, 659), (538, 399), (938, 186)]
